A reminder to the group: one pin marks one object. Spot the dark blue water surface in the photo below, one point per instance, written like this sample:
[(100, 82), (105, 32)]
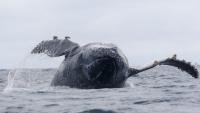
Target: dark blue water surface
[(163, 89)]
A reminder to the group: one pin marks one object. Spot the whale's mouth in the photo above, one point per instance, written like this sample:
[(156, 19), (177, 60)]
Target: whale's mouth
[(102, 70)]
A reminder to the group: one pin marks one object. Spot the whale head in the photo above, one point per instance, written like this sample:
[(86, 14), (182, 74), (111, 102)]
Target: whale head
[(104, 65)]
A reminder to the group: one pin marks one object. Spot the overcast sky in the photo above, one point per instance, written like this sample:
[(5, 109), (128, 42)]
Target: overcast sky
[(145, 30)]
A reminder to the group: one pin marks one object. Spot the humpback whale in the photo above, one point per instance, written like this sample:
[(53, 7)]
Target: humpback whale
[(97, 65)]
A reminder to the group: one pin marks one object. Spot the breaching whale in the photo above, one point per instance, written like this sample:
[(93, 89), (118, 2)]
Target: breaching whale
[(97, 65)]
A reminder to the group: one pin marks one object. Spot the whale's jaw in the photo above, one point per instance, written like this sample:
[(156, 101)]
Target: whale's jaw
[(102, 70)]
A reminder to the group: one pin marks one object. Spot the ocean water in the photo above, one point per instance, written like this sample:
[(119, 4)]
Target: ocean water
[(163, 89)]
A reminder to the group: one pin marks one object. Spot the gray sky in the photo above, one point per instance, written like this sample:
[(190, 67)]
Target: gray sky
[(144, 29)]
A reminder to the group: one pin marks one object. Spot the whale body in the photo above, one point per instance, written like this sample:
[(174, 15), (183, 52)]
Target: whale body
[(97, 65)]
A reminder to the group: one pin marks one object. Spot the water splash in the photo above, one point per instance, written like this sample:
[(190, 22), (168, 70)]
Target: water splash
[(29, 71), (129, 84)]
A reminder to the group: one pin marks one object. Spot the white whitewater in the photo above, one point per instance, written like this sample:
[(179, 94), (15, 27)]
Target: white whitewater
[(22, 77)]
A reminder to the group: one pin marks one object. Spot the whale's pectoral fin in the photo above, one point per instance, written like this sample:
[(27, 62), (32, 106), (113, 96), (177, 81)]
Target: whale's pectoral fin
[(181, 64), (55, 47)]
